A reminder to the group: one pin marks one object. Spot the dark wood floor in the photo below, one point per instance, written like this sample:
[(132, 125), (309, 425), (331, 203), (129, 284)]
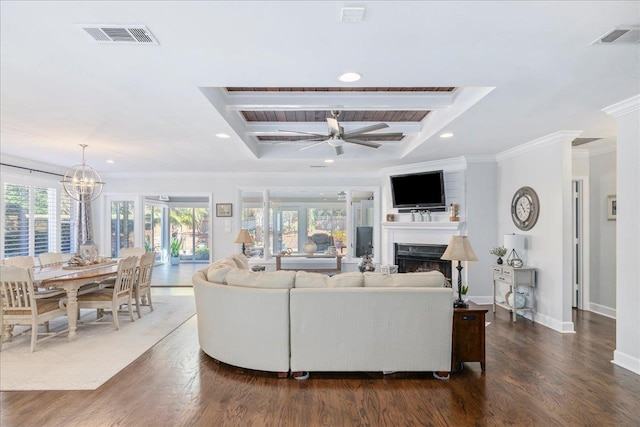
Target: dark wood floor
[(534, 377)]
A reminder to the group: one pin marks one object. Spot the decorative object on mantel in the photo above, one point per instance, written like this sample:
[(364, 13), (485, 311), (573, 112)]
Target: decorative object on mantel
[(389, 269), (500, 251), (514, 241), (287, 251), (459, 249), (453, 212), (245, 238), (391, 217), (309, 247), (420, 216), (82, 182), (366, 263)]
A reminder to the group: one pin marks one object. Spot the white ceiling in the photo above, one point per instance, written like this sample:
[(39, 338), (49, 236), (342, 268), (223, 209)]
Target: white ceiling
[(145, 106)]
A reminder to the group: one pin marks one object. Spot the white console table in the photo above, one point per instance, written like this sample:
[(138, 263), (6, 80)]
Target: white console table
[(514, 278)]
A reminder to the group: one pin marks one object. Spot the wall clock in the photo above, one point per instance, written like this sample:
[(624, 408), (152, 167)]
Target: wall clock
[(525, 207)]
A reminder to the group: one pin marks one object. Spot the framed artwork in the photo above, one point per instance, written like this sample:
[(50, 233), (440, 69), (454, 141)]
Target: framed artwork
[(612, 207), (224, 209)]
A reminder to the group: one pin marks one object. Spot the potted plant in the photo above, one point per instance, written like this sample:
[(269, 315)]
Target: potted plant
[(500, 251), (176, 244), (463, 292)]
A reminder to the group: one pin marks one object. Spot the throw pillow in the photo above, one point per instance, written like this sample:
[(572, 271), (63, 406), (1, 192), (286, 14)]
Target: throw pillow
[(428, 279), (241, 261), (217, 273), (261, 279), (346, 280), (305, 279), (378, 280)]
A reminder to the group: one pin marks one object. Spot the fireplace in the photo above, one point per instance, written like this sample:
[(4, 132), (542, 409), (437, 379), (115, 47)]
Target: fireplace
[(411, 257)]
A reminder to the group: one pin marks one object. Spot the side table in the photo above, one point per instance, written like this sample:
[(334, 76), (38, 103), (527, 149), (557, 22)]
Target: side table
[(468, 337)]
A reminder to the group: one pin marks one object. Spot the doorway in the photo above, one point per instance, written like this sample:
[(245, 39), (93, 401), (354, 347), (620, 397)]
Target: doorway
[(580, 246)]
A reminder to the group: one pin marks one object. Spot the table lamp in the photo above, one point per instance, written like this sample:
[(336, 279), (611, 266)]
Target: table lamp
[(245, 238), (514, 241), (459, 249)]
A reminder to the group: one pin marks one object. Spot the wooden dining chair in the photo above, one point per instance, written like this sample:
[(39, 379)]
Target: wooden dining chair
[(113, 298), (142, 288), (20, 306), (49, 258), (20, 261)]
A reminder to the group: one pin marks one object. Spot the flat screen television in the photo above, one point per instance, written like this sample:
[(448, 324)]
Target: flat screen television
[(418, 190)]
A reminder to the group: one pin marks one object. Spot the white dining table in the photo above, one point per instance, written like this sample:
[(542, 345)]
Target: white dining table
[(72, 279)]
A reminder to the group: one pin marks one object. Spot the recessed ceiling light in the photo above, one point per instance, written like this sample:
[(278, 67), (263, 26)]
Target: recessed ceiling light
[(222, 135), (446, 135), (349, 77), (329, 161), (110, 161)]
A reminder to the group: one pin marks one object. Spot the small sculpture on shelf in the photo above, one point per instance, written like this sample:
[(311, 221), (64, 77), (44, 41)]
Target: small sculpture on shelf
[(500, 251), (366, 263)]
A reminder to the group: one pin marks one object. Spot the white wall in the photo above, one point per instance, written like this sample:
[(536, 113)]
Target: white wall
[(627, 352), (602, 182), (544, 165), (482, 221)]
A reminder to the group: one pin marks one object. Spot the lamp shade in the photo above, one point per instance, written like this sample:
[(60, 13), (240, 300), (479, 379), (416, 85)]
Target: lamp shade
[(244, 237), (459, 249), (514, 241)]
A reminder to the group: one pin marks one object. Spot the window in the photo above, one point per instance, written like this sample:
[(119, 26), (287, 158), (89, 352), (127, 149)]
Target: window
[(191, 224), (32, 224), (253, 220)]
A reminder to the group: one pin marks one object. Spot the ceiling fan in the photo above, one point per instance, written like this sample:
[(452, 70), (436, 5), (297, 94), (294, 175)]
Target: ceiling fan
[(337, 136)]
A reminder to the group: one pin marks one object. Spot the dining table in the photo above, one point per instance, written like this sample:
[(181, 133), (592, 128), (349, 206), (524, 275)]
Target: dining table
[(72, 279)]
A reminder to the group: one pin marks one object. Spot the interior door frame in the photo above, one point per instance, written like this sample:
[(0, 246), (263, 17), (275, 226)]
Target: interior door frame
[(584, 298), (138, 220)]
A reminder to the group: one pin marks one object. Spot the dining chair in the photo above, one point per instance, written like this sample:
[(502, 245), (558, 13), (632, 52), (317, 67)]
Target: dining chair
[(142, 288), (50, 258), (113, 298), (20, 306), (20, 261)]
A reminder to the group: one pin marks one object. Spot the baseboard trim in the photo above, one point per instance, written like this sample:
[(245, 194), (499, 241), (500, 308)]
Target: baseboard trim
[(603, 310), (626, 361)]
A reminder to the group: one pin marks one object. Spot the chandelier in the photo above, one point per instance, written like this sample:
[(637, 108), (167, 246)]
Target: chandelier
[(82, 182)]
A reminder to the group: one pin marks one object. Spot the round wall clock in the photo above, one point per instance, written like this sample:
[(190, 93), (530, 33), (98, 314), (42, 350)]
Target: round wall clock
[(525, 208)]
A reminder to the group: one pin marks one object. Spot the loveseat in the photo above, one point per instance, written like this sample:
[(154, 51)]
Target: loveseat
[(283, 321)]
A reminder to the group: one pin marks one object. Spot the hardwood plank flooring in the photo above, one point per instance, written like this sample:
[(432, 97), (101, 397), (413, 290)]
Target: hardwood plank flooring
[(535, 377)]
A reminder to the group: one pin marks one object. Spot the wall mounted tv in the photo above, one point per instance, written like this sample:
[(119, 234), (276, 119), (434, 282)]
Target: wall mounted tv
[(418, 190)]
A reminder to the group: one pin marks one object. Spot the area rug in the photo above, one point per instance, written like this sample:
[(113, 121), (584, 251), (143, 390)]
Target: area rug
[(98, 353)]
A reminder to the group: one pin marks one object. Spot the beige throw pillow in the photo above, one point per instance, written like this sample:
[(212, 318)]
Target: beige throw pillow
[(241, 261), (261, 279), (306, 279)]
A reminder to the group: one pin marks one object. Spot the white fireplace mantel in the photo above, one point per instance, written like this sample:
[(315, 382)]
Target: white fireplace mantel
[(432, 232)]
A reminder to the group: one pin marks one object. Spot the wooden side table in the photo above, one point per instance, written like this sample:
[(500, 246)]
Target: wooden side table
[(468, 337)]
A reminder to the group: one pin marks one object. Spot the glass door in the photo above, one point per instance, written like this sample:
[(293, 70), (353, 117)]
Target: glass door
[(190, 225), (122, 226), (153, 225)]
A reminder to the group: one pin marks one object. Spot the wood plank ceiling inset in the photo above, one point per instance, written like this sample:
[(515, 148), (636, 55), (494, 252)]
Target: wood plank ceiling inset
[(345, 116), (340, 89), (303, 138)]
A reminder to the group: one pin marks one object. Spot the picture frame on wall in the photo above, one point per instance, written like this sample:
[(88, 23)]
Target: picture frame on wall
[(224, 209), (612, 207)]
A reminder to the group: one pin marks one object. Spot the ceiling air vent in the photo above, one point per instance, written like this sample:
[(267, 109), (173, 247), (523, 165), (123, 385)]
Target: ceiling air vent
[(121, 34), (620, 35)]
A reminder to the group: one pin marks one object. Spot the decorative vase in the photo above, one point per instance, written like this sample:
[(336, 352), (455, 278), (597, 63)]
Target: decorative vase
[(309, 247), (366, 264), (499, 261)]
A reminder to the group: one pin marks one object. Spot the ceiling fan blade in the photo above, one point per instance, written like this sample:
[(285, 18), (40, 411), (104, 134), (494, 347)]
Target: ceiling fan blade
[(303, 133), (339, 150), (297, 141), (361, 142), (365, 129), (388, 135), (334, 127), (311, 146)]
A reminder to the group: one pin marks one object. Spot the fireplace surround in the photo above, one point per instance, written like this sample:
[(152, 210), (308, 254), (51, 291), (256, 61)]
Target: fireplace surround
[(414, 257)]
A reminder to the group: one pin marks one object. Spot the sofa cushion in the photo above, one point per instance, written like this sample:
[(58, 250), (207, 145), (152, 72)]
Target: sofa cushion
[(306, 279), (378, 280), (427, 279), (217, 273), (261, 279), (241, 261)]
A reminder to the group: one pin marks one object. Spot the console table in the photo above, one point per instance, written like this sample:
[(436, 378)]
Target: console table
[(337, 257), (468, 337), (514, 278)]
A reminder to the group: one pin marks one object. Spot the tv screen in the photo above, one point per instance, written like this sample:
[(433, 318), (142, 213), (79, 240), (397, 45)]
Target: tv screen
[(418, 190)]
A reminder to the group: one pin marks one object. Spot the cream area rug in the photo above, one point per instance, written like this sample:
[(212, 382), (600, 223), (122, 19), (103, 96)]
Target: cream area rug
[(98, 353)]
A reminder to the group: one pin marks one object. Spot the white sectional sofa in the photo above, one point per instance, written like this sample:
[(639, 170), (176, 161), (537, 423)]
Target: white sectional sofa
[(298, 321)]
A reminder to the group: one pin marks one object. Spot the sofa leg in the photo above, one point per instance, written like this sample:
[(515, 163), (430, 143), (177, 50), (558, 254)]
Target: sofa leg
[(301, 375), (441, 375), (283, 374)]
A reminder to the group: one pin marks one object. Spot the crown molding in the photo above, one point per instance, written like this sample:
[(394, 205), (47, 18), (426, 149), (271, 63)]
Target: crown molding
[(455, 163), (480, 158), (623, 107), (552, 138), (257, 175)]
